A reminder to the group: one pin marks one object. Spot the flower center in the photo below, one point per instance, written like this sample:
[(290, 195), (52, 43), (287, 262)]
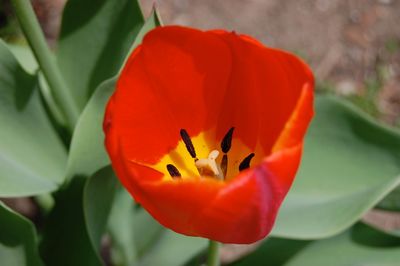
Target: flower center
[(209, 167)]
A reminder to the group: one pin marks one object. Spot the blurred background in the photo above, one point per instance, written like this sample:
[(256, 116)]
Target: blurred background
[(353, 46)]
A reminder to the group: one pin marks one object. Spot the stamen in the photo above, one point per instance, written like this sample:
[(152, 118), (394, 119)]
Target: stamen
[(246, 162), (227, 141), (188, 143), (224, 164), (173, 171)]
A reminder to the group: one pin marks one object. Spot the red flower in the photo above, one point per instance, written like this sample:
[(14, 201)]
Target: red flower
[(186, 95)]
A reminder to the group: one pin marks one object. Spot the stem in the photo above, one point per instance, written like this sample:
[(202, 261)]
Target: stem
[(213, 253), (51, 72)]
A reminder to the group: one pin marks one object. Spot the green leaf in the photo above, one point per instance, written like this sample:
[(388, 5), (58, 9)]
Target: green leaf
[(98, 199), (350, 163), (32, 157), (133, 231), (66, 241), (173, 249), (360, 245), (27, 60), (18, 245), (392, 201), (25, 57), (121, 228), (94, 40), (147, 232), (87, 153), (78, 220)]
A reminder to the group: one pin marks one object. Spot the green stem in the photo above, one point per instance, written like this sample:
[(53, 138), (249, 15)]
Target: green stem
[(213, 253), (51, 72)]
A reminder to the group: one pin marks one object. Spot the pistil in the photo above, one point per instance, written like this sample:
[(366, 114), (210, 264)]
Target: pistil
[(209, 167)]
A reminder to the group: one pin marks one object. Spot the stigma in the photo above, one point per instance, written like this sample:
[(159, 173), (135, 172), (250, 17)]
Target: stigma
[(209, 167)]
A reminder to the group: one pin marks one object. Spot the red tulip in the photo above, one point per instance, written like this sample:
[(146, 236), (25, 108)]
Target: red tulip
[(205, 130)]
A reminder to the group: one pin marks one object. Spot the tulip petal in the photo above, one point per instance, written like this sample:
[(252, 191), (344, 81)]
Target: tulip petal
[(296, 126), (264, 88)]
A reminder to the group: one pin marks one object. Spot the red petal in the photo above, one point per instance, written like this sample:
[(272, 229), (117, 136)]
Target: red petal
[(296, 126), (264, 88)]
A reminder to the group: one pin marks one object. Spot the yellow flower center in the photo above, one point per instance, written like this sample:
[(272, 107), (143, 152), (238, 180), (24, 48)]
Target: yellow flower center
[(197, 157)]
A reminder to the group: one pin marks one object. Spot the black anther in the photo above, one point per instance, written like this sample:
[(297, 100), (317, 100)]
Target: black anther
[(188, 143), (246, 162), (173, 171), (227, 141)]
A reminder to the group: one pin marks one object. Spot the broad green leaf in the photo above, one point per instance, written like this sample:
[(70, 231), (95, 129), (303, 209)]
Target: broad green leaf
[(65, 240), (95, 38), (87, 153), (78, 220), (349, 164), (98, 199), (361, 245), (173, 249), (392, 201), (147, 232), (25, 57), (32, 158), (18, 245), (121, 229), (133, 231), (27, 60)]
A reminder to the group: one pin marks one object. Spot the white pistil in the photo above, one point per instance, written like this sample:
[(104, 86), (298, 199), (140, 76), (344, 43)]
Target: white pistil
[(209, 166)]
